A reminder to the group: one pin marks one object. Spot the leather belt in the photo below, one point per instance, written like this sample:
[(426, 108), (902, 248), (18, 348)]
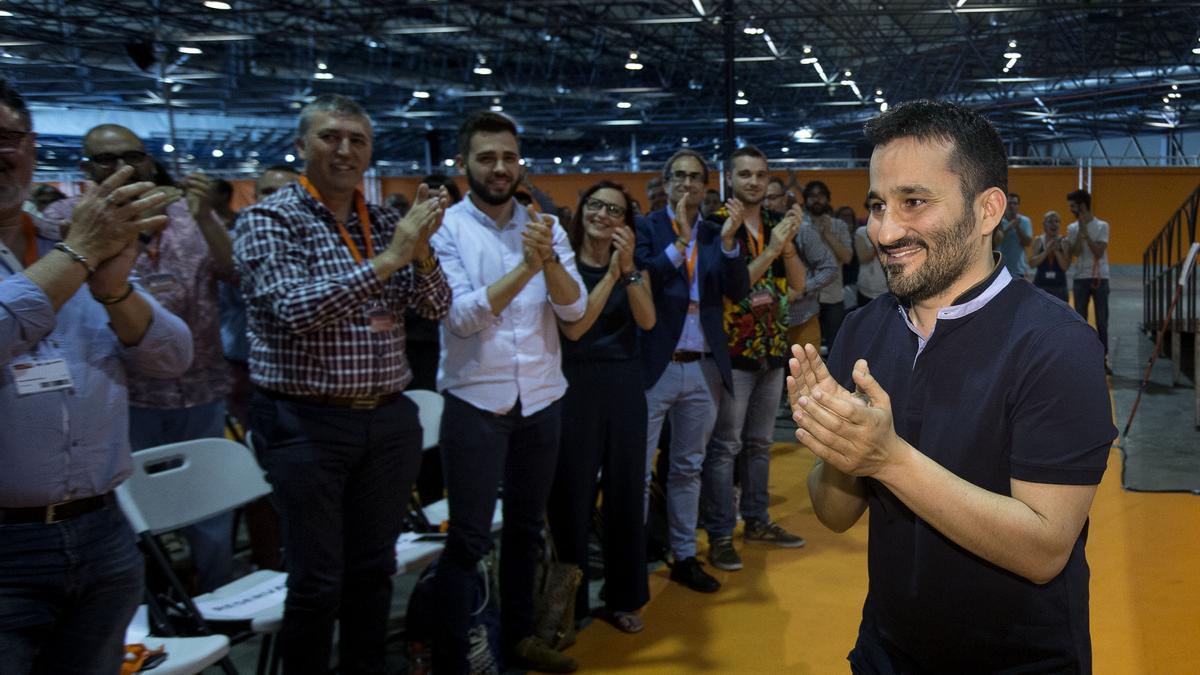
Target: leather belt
[(352, 402), (687, 357), (56, 513)]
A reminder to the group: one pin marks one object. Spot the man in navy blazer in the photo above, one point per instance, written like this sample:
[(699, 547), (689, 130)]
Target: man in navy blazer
[(693, 264)]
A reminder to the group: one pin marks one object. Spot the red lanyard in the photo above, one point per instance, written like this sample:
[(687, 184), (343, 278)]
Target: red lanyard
[(27, 229), (364, 217), (691, 261)]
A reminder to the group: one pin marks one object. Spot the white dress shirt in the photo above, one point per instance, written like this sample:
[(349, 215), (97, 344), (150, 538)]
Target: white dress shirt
[(487, 360)]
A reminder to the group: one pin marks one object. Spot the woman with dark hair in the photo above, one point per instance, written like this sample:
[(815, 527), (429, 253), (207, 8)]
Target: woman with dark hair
[(604, 409)]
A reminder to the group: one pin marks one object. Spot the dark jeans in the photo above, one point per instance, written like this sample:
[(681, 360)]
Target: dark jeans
[(832, 315), (67, 592), (604, 413), (479, 450), (1099, 295), (341, 481)]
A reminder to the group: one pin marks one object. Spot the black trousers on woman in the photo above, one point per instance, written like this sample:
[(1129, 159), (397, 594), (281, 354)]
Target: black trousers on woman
[(603, 445)]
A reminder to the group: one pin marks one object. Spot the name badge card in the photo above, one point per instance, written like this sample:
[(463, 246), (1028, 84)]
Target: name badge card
[(34, 376)]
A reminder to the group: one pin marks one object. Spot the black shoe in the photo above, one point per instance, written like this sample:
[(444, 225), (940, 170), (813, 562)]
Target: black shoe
[(689, 573)]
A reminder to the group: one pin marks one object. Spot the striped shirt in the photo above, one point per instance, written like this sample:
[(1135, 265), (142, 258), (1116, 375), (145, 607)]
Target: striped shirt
[(307, 299)]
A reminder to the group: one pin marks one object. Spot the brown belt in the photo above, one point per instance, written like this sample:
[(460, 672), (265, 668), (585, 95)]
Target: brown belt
[(55, 513), (687, 357), (352, 402)]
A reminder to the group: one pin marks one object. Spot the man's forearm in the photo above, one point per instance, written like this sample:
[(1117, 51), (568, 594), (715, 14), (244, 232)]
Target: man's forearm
[(501, 293), (1003, 530), (130, 318), (838, 499), (220, 246), (58, 275), (560, 284)]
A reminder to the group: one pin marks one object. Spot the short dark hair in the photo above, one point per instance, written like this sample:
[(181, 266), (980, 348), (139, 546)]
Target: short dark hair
[(12, 99), (683, 153), (817, 185), (1081, 197), (1013, 194), (482, 121), (747, 151), (777, 181), (977, 154), (224, 188), (337, 104), (575, 226)]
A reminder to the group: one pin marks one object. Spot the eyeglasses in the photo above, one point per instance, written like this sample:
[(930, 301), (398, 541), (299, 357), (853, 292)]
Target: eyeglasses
[(10, 138), (110, 159), (685, 176), (593, 204)]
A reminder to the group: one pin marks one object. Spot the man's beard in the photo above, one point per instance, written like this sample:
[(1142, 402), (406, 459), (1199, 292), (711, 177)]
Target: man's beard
[(947, 257), (819, 209), (480, 190), (746, 201)]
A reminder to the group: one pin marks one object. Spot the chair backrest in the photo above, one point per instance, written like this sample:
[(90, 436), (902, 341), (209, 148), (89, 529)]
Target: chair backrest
[(179, 484), (429, 405)]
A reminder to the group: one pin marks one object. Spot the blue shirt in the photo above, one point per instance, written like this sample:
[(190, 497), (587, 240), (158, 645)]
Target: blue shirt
[(490, 361), (73, 443), (692, 337)]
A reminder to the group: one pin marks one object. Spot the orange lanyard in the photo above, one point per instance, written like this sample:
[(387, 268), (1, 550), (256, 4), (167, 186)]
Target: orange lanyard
[(364, 217), (755, 245), (27, 229), (691, 260)]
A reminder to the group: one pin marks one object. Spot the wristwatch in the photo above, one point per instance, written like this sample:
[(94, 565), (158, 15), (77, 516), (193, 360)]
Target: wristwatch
[(634, 278)]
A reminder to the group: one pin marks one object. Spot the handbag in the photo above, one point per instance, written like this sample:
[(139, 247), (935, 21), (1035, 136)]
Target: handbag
[(554, 586)]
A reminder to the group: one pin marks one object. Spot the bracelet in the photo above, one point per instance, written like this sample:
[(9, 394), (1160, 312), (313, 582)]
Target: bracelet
[(112, 300), (76, 256), (681, 243), (427, 265), (632, 279)]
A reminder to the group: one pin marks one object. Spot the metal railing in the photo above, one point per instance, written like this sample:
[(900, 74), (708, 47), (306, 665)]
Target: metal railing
[(1161, 266)]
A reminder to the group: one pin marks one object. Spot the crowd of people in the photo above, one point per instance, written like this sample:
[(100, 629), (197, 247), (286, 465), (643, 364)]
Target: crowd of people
[(145, 310)]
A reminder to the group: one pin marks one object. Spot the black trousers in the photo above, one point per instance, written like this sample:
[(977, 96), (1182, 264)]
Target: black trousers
[(479, 450), (604, 446), (832, 316)]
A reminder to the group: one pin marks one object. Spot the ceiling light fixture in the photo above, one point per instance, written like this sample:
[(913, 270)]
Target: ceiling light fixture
[(741, 98), (323, 75), (217, 4), (289, 158), (481, 67), (633, 64), (645, 152), (190, 50), (771, 45), (422, 30), (558, 160), (218, 153), (419, 93), (699, 7), (496, 108), (5, 12), (624, 105), (784, 149), (803, 134), (321, 65), (167, 147), (961, 3)]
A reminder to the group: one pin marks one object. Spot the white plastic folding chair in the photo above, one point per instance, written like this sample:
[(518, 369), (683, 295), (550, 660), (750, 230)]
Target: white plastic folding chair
[(429, 408), (179, 484)]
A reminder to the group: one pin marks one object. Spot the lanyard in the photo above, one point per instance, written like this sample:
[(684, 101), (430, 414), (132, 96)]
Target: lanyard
[(27, 229), (691, 260), (364, 218), (756, 245)]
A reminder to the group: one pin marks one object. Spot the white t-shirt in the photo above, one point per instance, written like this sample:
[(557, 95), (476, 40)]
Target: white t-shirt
[(872, 282), (1084, 266)]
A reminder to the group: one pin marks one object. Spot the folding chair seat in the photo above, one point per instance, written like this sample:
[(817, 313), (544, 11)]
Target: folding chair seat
[(184, 655), (179, 484)]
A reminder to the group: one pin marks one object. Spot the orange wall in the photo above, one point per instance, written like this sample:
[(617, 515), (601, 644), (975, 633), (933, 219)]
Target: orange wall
[(1137, 202)]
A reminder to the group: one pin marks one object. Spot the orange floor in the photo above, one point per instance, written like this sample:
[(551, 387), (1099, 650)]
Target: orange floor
[(797, 611)]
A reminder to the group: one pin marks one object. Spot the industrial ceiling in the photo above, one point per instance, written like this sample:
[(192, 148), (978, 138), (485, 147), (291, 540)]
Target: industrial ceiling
[(596, 84)]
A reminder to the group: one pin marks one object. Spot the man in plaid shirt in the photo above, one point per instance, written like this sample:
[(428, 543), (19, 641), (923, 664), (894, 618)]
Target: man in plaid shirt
[(327, 278)]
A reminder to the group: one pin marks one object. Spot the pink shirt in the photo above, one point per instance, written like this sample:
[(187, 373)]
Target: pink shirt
[(183, 278)]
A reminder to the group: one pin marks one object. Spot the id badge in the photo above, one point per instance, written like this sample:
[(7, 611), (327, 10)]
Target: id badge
[(693, 308), (382, 319), (761, 298), (160, 282), (34, 376), (1052, 275)]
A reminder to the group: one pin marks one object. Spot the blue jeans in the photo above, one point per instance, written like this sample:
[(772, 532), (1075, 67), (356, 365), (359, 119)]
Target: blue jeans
[(689, 393), (745, 424), (341, 479), (67, 592), (480, 450), (211, 540), (1099, 295)]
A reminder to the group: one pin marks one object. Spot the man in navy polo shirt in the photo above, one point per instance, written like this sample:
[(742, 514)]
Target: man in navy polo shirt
[(978, 429)]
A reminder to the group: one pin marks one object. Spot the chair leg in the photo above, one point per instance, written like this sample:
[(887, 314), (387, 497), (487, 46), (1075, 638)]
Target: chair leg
[(275, 658), (264, 653)]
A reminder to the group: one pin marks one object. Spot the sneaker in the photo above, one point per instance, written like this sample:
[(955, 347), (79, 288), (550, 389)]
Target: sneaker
[(532, 653), (771, 533), (721, 554), (689, 573)]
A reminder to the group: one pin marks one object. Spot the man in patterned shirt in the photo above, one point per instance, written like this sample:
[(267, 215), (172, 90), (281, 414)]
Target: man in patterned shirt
[(180, 266), (758, 349), (327, 278)]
